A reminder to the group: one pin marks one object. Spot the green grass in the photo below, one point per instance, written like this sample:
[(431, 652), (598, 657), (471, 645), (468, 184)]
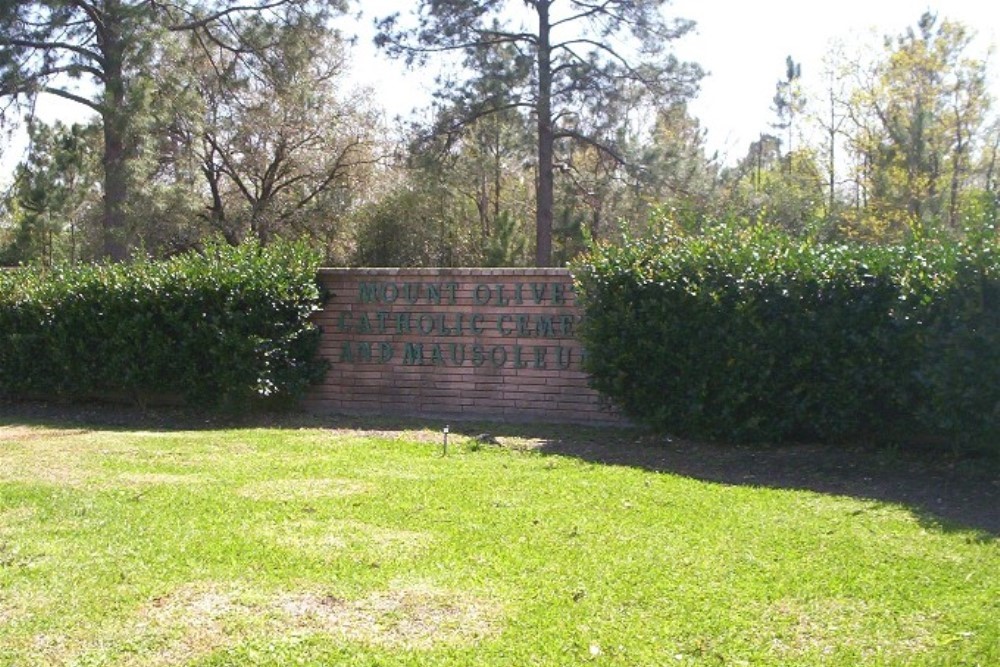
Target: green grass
[(319, 547)]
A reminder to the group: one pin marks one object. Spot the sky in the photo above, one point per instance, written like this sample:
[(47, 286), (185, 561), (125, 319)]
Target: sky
[(742, 44)]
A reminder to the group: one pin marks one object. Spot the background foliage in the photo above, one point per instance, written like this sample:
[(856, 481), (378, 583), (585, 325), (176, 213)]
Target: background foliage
[(222, 327), (249, 124)]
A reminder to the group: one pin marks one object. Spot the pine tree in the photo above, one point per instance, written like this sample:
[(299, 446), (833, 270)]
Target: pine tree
[(576, 68)]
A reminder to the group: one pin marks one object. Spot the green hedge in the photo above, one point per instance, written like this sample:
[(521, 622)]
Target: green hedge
[(750, 335), (218, 328)]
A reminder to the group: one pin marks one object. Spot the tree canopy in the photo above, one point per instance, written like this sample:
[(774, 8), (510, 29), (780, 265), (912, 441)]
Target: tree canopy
[(98, 53), (555, 123), (577, 68)]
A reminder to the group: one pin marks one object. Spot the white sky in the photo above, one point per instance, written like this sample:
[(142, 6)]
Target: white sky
[(742, 44)]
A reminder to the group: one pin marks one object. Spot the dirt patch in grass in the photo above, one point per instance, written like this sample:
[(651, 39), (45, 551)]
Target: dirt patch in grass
[(302, 489), (417, 617), (401, 475), (826, 626), (6, 612), (132, 480), (317, 538), (186, 624), (41, 459), (209, 459), (425, 436), (16, 515), (20, 608), (43, 462), (197, 620), (41, 455)]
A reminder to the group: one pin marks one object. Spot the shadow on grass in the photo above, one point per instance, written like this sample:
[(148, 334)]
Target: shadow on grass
[(946, 493)]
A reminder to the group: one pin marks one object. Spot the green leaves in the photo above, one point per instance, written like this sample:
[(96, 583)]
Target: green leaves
[(748, 334), (219, 328)]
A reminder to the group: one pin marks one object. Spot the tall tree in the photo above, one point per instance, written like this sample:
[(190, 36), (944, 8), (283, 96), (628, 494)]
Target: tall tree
[(464, 197), (770, 189), (53, 194), (50, 46), (831, 118), (789, 102), (665, 167), (990, 167), (573, 65), (676, 168), (917, 114), (480, 151)]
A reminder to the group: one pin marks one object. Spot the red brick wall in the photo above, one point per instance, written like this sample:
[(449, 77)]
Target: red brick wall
[(461, 343)]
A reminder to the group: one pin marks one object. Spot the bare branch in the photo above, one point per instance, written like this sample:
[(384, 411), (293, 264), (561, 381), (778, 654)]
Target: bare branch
[(223, 13), (33, 86), (481, 38), (474, 115), (340, 166), (30, 44), (66, 95), (93, 13), (228, 168), (591, 141), (592, 10)]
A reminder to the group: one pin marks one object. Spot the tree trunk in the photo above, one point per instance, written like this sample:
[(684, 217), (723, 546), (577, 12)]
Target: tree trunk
[(115, 192), (990, 169), (115, 121), (217, 209), (497, 174), (833, 150), (544, 197), (956, 168)]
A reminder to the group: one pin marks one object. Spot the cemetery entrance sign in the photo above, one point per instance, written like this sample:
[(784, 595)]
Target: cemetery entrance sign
[(472, 343)]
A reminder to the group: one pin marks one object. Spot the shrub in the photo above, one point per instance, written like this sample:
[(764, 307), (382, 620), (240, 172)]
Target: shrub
[(747, 334), (218, 328)]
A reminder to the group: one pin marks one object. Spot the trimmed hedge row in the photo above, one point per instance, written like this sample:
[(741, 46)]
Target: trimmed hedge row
[(219, 328), (750, 335)]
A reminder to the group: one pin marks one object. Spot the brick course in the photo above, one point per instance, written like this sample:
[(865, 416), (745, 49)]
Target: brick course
[(454, 343)]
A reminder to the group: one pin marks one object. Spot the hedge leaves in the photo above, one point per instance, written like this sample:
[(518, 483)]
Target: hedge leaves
[(748, 334), (217, 328)]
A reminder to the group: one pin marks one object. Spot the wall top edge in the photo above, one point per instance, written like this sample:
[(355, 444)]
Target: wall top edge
[(338, 271)]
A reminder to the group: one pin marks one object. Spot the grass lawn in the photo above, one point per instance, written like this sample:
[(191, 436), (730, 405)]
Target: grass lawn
[(325, 546)]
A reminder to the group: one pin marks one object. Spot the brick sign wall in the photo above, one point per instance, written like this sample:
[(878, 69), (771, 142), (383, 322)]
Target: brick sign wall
[(472, 343)]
